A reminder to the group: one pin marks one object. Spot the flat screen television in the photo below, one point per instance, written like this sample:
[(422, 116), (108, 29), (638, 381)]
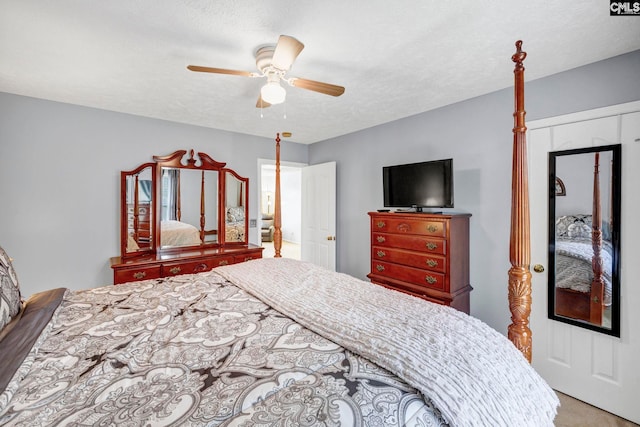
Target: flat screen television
[(419, 185)]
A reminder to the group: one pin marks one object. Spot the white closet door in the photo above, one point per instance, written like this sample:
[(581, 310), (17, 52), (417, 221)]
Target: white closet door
[(593, 367)]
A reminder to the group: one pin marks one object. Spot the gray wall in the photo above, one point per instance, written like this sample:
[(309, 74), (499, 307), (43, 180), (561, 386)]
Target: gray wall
[(60, 182), (477, 134), (60, 164)]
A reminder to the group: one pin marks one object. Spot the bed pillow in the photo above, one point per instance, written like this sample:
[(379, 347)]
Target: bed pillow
[(10, 300), (235, 214), (574, 226)]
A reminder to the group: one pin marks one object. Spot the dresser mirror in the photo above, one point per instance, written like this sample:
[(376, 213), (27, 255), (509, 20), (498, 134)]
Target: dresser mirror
[(236, 201), (189, 207), (137, 198), (584, 238), (180, 202)]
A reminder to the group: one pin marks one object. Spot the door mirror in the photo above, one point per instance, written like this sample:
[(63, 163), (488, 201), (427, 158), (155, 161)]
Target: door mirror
[(584, 237)]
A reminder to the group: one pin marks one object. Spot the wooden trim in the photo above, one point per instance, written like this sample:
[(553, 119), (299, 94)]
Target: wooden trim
[(277, 222), (520, 244)]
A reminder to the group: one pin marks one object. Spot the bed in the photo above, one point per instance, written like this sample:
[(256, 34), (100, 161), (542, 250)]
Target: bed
[(265, 342)]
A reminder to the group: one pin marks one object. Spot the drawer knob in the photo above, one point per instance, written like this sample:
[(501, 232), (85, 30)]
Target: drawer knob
[(381, 254), (431, 246), (200, 267), (224, 262), (432, 263), (139, 275), (249, 258), (380, 239), (432, 228), (175, 270), (381, 224), (380, 267), (430, 280)]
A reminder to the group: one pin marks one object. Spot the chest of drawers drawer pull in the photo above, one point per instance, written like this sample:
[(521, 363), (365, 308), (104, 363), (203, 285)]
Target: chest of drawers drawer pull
[(175, 270), (431, 246), (381, 224), (248, 258), (381, 254), (139, 275), (223, 262), (432, 263), (381, 239), (430, 280), (380, 267), (432, 228)]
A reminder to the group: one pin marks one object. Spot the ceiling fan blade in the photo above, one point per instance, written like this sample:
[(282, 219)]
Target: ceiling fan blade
[(325, 88), (287, 50), (221, 71), (262, 103)]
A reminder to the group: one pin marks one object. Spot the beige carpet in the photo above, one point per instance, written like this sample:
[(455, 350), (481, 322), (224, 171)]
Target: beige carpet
[(288, 250), (575, 413)]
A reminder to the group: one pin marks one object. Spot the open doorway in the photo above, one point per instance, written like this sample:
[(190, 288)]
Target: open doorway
[(291, 208)]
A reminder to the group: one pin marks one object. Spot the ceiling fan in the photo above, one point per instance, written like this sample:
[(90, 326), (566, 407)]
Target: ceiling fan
[(273, 62)]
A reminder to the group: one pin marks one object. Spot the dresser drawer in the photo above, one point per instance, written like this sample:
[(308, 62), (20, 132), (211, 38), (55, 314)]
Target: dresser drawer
[(429, 279), (247, 257), (124, 275), (190, 267), (409, 226), (414, 259), (432, 245)]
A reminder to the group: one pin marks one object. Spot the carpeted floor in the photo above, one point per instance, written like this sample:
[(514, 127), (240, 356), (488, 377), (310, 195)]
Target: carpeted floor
[(575, 413), (288, 250)]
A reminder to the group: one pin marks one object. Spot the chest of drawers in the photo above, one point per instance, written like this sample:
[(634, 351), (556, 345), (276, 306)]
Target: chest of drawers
[(425, 255)]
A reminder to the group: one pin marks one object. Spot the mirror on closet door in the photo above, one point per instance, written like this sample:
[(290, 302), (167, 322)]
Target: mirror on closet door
[(584, 237)]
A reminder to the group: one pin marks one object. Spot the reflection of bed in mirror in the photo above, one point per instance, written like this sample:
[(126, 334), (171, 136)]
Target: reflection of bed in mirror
[(177, 233), (583, 260), (234, 225), (575, 269)]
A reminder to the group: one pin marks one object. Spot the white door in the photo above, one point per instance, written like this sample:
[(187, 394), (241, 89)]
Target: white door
[(319, 214), (593, 367)]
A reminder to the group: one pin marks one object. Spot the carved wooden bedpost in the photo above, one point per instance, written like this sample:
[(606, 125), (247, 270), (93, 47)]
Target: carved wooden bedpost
[(520, 245), (277, 222), (596, 298)]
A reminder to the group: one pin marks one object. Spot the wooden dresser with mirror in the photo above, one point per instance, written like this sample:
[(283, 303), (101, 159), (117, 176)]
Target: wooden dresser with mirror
[(182, 213)]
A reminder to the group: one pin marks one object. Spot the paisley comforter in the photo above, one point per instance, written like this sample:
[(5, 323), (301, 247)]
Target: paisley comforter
[(220, 349)]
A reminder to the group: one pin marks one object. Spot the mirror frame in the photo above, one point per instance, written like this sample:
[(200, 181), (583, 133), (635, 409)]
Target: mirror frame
[(615, 238), (199, 162)]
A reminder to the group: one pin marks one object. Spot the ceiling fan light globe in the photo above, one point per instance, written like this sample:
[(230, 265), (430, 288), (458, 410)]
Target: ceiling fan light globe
[(273, 93)]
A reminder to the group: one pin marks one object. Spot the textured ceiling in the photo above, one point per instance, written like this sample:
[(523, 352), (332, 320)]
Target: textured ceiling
[(395, 59)]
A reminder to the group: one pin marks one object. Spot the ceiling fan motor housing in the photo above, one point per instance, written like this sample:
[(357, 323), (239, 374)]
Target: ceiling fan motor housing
[(264, 58)]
